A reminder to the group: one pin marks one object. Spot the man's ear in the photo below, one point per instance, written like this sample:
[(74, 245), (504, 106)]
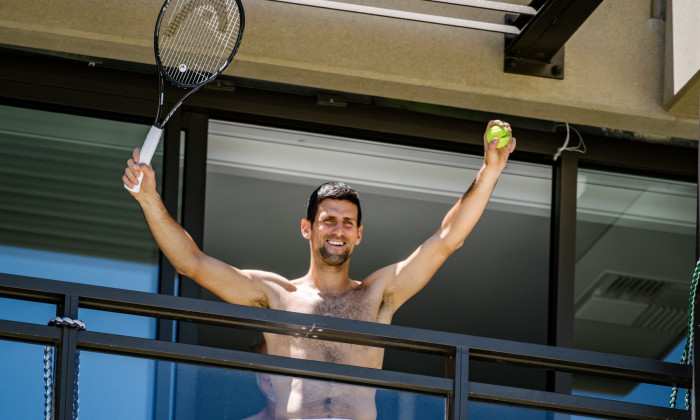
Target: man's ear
[(359, 235), (306, 228)]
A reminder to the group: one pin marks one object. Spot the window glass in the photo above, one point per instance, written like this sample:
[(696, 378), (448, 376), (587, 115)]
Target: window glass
[(488, 411), (190, 391), (26, 311), (107, 381), (65, 214), (635, 257), (259, 180), (22, 393), (207, 392)]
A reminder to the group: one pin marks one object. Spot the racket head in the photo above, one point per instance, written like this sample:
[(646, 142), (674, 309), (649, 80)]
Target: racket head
[(195, 40)]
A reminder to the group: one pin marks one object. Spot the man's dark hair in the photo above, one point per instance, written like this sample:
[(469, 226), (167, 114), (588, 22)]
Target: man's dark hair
[(336, 191)]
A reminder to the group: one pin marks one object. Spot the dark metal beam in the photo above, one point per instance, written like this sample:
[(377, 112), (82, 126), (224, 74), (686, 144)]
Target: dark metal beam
[(193, 196), (539, 48), (562, 262), (167, 275), (458, 369)]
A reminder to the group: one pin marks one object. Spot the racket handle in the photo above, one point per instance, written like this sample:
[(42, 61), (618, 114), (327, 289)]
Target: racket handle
[(147, 151)]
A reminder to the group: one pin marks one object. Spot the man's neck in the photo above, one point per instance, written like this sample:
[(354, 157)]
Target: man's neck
[(329, 279)]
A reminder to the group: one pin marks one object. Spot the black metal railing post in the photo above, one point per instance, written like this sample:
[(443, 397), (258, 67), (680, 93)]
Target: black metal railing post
[(457, 368), (64, 377)]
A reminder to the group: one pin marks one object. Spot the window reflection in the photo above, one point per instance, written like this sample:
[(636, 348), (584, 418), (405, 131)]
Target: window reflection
[(64, 215), (635, 257), (22, 384), (62, 193)]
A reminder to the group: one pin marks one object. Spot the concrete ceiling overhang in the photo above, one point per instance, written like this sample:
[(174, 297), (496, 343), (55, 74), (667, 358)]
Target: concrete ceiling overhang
[(614, 61)]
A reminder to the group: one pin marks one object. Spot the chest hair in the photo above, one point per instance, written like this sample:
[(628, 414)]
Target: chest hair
[(352, 304)]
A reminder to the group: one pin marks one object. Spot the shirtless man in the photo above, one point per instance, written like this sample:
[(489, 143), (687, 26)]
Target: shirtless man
[(333, 228)]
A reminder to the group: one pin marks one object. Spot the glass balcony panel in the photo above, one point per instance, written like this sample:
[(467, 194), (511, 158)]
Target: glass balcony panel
[(487, 411), (629, 391), (235, 394), (635, 257), (116, 387), (158, 389), (22, 393), (118, 323), (26, 311)]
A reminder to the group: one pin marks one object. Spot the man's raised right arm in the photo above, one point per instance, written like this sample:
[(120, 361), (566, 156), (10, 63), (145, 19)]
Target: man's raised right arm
[(242, 287)]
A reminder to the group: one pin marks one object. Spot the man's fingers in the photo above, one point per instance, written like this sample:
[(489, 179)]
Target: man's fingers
[(137, 154), (131, 175), (511, 145), (127, 181)]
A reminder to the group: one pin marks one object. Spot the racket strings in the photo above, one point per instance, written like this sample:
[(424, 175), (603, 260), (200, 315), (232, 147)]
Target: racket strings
[(198, 38), (183, 56)]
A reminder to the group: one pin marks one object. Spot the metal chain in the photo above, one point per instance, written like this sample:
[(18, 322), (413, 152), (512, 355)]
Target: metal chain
[(48, 369), (48, 381), (687, 357), (76, 389)]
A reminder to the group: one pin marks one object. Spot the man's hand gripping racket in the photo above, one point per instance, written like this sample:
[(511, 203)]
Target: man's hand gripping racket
[(194, 41)]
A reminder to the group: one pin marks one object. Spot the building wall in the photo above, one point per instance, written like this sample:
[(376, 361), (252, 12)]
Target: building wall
[(614, 64)]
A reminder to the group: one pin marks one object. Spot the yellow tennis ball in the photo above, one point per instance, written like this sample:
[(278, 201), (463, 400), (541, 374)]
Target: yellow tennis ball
[(500, 132)]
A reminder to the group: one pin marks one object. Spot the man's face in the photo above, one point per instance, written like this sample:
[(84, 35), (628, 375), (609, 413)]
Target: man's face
[(334, 231)]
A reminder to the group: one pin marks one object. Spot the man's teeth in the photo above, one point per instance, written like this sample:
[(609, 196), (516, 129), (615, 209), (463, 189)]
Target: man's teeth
[(335, 243)]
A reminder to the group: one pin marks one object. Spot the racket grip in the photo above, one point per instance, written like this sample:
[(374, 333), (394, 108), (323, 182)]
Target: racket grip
[(147, 151)]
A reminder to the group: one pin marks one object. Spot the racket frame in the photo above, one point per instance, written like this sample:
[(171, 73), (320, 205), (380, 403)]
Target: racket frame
[(214, 75)]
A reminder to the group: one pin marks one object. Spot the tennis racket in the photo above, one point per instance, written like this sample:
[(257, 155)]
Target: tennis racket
[(194, 41)]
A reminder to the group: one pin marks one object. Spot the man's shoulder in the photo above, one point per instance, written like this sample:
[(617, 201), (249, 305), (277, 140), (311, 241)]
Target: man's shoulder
[(381, 276), (271, 280), (262, 274)]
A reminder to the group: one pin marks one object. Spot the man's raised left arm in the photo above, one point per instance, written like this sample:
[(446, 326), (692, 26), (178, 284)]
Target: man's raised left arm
[(408, 277)]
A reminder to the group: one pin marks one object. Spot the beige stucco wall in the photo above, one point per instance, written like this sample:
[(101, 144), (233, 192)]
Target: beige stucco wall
[(686, 36), (614, 64)]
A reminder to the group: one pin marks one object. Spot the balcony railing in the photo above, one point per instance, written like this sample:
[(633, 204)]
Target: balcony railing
[(459, 351)]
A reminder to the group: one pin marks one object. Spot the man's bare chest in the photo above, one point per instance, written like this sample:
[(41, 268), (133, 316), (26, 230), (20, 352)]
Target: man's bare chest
[(358, 304)]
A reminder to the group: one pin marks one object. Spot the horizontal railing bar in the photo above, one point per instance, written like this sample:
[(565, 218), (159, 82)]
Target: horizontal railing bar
[(32, 333), (215, 313), (351, 331), (571, 404), (586, 362), (179, 352)]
